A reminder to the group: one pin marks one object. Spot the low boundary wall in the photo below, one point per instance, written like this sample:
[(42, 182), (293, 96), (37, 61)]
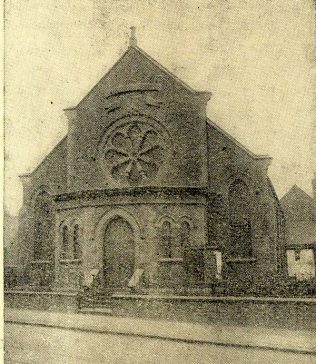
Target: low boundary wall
[(254, 311), (291, 313), (52, 301)]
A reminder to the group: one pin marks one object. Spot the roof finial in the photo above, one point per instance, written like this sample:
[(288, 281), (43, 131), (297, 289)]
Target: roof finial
[(132, 39)]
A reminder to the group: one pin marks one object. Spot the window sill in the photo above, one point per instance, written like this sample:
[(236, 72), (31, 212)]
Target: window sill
[(212, 247), (70, 261), (241, 260), (171, 260)]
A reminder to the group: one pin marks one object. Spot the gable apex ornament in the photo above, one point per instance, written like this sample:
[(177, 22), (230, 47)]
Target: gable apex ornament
[(132, 38)]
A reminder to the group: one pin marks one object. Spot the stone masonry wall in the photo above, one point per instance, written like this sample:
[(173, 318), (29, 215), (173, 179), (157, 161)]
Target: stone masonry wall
[(145, 218), (50, 176), (138, 91), (228, 162)]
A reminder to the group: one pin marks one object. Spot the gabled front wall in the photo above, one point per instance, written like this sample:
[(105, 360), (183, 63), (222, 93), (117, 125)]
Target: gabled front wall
[(136, 89)]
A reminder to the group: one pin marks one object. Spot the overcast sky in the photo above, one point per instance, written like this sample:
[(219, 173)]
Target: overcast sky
[(256, 57)]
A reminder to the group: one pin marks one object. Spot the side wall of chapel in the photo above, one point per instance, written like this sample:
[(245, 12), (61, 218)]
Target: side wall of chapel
[(47, 179), (229, 163)]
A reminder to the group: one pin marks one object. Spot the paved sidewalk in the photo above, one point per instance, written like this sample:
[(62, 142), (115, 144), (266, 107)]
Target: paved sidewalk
[(256, 337)]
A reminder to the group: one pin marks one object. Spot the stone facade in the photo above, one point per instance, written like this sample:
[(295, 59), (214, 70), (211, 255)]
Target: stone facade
[(143, 180)]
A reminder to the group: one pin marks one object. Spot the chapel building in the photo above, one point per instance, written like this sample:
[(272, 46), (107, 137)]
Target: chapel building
[(144, 188)]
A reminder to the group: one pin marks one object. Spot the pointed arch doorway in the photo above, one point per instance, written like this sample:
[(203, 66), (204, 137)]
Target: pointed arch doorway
[(118, 252)]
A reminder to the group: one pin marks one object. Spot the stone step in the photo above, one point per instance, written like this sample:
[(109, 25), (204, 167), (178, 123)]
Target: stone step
[(96, 310), (96, 302)]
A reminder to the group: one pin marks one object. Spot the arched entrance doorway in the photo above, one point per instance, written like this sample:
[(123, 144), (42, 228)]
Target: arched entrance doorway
[(118, 252)]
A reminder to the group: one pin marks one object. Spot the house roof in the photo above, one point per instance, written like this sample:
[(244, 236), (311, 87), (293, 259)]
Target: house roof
[(300, 217), (300, 233), (296, 191)]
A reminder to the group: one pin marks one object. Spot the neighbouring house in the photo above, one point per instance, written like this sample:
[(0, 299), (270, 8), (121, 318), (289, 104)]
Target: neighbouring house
[(145, 188), (300, 226)]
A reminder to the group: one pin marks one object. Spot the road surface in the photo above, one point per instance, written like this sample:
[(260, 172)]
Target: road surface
[(38, 345)]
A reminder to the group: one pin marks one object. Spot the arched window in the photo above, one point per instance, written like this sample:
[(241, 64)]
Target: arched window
[(239, 219), (43, 221), (165, 239), (76, 242), (65, 242), (182, 241), (38, 246), (184, 234)]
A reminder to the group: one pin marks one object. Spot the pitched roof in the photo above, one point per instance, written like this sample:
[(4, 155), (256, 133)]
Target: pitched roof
[(300, 217), (298, 193), (235, 141), (59, 144), (300, 232)]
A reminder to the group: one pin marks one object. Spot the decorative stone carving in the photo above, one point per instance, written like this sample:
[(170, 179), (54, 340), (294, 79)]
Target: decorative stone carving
[(134, 152)]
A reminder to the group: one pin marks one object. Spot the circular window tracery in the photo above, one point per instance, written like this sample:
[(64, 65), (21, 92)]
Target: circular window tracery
[(134, 152)]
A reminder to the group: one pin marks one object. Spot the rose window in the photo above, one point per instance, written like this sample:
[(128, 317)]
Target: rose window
[(134, 152)]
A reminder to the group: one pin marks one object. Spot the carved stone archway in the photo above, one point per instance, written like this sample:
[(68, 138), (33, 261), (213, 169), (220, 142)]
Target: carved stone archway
[(105, 234)]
